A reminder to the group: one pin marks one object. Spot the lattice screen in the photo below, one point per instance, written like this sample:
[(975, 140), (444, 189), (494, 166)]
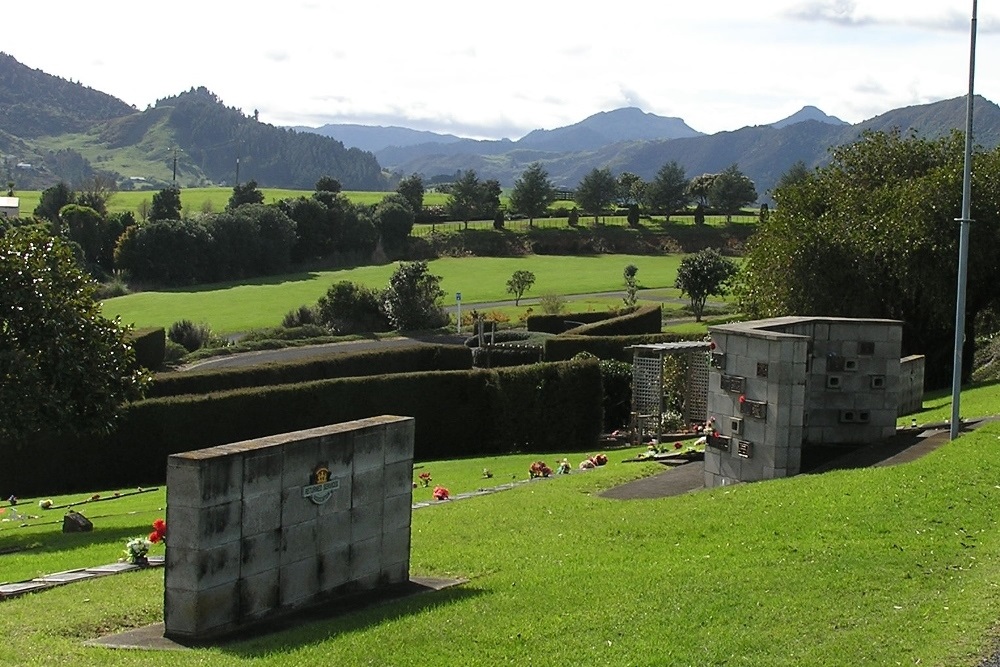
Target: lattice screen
[(696, 391), (647, 385)]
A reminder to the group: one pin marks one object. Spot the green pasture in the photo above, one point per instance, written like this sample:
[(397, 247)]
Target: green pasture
[(261, 303), (878, 566)]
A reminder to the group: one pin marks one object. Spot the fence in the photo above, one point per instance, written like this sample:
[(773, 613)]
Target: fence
[(522, 224)]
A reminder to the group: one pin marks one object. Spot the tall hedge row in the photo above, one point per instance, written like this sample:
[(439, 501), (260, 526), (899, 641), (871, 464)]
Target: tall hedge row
[(150, 346), (645, 320), (407, 359), (543, 407), (561, 348), (556, 324)]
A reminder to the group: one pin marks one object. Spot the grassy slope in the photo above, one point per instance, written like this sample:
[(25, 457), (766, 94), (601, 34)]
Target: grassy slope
[(479, 279), (875, 566)]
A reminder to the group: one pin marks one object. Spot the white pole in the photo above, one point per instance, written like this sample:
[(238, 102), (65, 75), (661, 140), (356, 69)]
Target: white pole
[(963, 245)]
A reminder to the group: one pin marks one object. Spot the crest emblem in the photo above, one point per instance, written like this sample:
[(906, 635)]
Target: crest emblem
[(321, 486)]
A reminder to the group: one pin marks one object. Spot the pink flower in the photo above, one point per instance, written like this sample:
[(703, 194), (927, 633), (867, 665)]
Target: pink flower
[(677, 445), (441, 493)]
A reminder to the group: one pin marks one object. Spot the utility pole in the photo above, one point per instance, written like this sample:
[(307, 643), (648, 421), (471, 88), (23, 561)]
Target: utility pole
[(175, 168), (237, 170), (963, 246)]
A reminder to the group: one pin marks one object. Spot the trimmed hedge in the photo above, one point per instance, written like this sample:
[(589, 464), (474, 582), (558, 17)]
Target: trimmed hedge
[(561, 348), (556, 324), (407, 359), (537, 408), (150, 346), (505, 354), (645, 320)]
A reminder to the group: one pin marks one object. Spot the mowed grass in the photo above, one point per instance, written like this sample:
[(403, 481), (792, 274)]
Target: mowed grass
[(259, 303), (878, 566), (979, 400)]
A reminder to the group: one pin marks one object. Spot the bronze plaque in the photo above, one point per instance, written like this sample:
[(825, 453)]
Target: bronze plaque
[(733, 383), (744, 449)]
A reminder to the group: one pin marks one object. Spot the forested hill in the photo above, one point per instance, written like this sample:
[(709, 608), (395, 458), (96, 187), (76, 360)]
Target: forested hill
[(213, 136), (55, 130), (33, 103)]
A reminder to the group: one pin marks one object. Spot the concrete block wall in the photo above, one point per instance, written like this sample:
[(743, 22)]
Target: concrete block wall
[(911, 384), (261, 528), (821, 380)]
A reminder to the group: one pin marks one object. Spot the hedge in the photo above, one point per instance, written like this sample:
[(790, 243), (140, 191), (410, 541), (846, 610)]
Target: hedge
[(407, 359), (506, 354), (150, 346), (537, 408), (556, 324), (561, 348), (645, 320)]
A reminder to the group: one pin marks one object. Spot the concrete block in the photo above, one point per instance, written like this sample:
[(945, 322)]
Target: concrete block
[(334, 567), (369, 487), (259, 553), (794, 460), (713, 462), (297, 509), (366, 521), (200, 613), (261, 513), (399, 441), (334, 530), (297, 540), (736, 345), (259, 594), (365, 558), (300, 461), (731, 467), (262, 472), (397, 511), (299, 581), (780, 457), (369, 450), (396, 546), (398, 478), (196, 482), (206, 528), (395, 573), (337, 447), (198, 569)]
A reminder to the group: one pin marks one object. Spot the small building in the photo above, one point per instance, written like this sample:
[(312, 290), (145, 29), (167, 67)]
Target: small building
[(780, 386), (10, 207)]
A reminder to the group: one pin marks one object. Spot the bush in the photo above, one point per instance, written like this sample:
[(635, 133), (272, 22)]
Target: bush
[(506, 355), (563, 347), (556, 324), (301, 316), (116, 286), (645, 320), (189, 335), (172, 352), (553, 304), (150, 346), (352, 308), (303, 332), (413, 299), (504, 336)]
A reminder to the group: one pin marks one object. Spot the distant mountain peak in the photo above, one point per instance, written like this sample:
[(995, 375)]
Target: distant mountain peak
[(808, 112)]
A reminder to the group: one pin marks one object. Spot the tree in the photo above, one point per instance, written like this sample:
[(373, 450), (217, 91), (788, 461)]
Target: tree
[(631, 188), (731, 190), (52, 201), (631, 298), (166, 205), (519, 283), (797, 173), (872, 234), (706, 273), (533, 193), (412, 300), (668, 191), (699, 186), (328, 184), (97, 191), (248, 193), (349, 308), (597, 191), (85, 226), (412, 189), (463, 201), (394, 220), (63, 367)]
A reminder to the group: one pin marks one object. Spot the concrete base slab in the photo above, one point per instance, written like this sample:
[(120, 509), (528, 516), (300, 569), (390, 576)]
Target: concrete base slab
[(150, 638)]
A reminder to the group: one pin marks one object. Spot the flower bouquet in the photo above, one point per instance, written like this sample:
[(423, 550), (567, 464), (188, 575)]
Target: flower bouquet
[(136, 550)]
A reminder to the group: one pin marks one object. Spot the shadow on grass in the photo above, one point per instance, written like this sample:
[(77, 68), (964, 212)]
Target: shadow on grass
[(304, 276), (12, 541), (359, 612)]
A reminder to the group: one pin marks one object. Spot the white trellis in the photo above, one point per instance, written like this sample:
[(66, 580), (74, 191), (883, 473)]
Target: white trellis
[(648, 390)]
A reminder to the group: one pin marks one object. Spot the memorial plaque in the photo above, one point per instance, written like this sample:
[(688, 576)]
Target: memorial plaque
[(733, 383), (761, 369), (720, 442), (719, 360), (744, 449), (755, 409)]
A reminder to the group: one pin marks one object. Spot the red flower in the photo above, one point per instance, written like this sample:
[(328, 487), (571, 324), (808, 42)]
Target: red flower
[(743, 399), (159, 533), (441, 493), (677, 445)]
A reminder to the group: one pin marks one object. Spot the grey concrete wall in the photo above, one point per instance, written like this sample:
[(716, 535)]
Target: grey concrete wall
[(802, 380), (255, 535), (911, 384)]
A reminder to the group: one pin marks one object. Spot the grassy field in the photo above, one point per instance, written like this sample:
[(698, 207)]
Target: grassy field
[(879, 566), (480, 279)]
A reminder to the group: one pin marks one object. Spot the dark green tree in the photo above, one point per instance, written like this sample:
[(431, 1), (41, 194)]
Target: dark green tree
[(412, 189), (394, 221), (63, 367), (167, 252), (699, 186), (533, 193), (85, 226), (631, 297), (52, 201), (597, 191), (631, 189), (731, 191), (464, 198), (349, 308), (97, 191), (873, 234), (668, 191), (166, 205), (706, 273), (413, 299), (328, 184), (796, 173), (247, 193), (519, 283)]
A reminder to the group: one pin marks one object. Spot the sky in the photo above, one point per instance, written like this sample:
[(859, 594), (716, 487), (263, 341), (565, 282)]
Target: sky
[(503, 69)]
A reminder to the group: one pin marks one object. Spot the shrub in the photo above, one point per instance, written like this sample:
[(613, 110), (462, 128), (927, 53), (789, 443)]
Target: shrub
[(150, 346), (606, 347), (553, 304), (116, 286), (300, 316), (189, 335), (573, 218), (556, 324), (413, 299), (645, 320), (352, 308), (173, 352)]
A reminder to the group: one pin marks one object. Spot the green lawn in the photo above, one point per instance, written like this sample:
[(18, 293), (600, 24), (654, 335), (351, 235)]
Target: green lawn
[(259, 303), (879, 566)]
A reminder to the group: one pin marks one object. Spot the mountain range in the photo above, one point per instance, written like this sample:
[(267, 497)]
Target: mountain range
[(52, 129)]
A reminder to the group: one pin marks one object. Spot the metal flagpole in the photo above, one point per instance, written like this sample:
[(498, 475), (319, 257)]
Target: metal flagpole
[(963, 244)]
